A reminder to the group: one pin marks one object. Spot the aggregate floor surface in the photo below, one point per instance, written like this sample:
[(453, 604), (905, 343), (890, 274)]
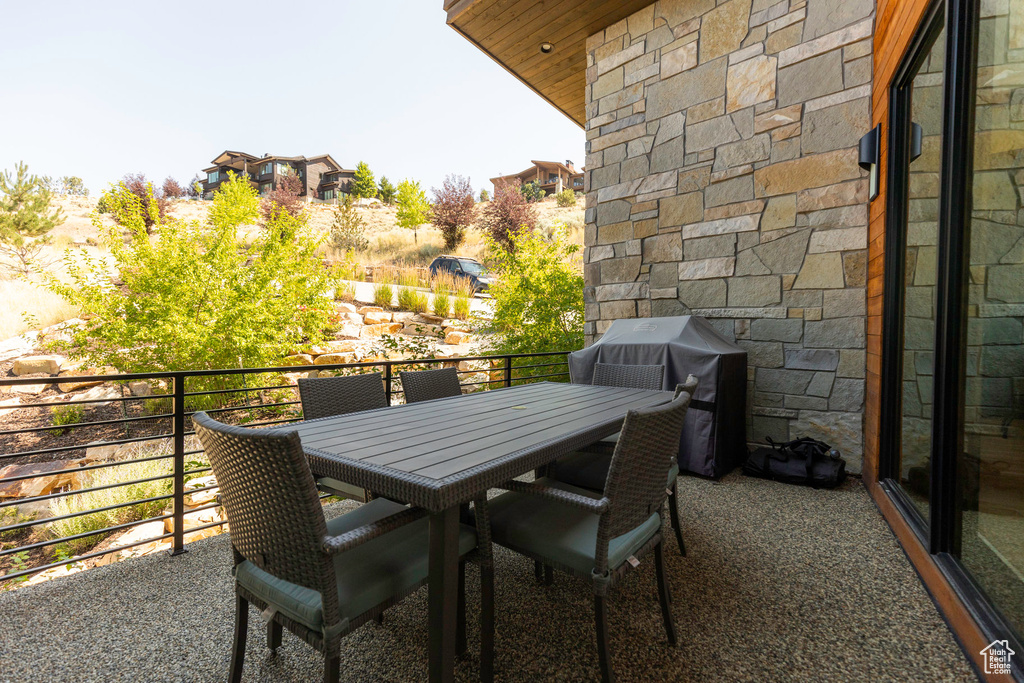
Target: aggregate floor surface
[(781, 583)]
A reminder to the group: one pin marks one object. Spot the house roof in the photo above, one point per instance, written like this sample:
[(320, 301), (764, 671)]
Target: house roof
[(511, 33), (238, 159), (541, 164)]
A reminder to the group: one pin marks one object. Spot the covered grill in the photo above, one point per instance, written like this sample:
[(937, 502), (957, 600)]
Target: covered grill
[(714, 437)]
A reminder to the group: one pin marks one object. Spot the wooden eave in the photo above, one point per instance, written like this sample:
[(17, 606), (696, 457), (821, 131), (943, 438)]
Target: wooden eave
[(511, 32)]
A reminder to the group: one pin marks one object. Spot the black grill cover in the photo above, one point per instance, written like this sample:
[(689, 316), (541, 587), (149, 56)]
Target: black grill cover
[(714, 436)]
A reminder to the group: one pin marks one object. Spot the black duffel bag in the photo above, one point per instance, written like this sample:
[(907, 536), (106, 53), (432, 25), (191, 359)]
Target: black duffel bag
[(801, 461)]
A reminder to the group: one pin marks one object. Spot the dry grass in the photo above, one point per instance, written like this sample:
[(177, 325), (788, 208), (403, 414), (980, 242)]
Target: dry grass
[(20, 297)]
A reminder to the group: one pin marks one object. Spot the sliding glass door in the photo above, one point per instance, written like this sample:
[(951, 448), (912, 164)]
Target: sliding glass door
[(953, 333)]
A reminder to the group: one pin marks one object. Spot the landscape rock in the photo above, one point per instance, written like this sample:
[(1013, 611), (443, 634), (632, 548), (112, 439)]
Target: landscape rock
[(372, 331), (101, 393), (346, 308), (369, 309), (376, 318), (32, 365), (455, 337), (8, 406), (140, 388), (71, 385), (334, 358), (297, 359), (52, 476), (422, 330)]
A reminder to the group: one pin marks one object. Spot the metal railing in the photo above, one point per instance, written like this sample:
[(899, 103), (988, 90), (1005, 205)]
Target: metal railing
[(163, 420)]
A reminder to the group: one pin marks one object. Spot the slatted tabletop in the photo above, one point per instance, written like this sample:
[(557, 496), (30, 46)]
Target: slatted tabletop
[(441, 453)]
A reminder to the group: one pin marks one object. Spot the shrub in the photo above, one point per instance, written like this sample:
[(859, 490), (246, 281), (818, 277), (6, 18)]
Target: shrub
[(531, 191), (409, 277), (347, 230), (195, 297), (73, 186), (172, 189), (65, 415), (485, 196), (420, 302), (453, 210), (154, 205), (363, 185), (194, 190), (441, 305), (383, 292), (25, 219), (460, 309), (413, 207), (538, 296), (117, 495), (406, 298), (507, 213), (566, 197), (386, 191), (346, 291), (286, 197), (463, 287)]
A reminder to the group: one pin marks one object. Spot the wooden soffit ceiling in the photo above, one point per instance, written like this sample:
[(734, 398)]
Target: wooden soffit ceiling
[(512, 31)]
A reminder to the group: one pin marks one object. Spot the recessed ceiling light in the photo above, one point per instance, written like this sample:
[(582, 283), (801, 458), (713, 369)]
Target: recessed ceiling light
[(546, 48)]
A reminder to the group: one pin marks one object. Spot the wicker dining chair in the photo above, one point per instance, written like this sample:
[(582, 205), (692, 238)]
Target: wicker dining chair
[(426, 385), (330, 396), (322, 579), (588, 468), (601, 537)]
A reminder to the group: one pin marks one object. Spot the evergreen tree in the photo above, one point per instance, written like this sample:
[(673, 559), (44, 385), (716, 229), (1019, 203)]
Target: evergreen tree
[(25, 219), (364, 186), (413, 207), (485, 196), (386, 191), (347, 228)]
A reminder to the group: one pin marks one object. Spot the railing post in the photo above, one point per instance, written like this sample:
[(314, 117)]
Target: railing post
[(387, 380), (508, 371), (178, 540)]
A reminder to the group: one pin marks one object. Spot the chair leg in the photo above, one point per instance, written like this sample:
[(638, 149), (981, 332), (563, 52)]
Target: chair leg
[(238, 646), (663, 593), (379, 619), (332, 669), (549, 575), (673, 507), (603, 654), (487, 624), (273, 636), (460, 628), (538, 571)]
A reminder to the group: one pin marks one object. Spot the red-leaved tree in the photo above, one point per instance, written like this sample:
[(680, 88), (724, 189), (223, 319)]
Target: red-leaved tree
[(171, 188), (137, 185), (507, 212), (286, 197), (454, 210)]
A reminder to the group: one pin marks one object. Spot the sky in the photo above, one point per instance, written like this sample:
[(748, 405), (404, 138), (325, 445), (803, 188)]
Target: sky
[(100, 89)]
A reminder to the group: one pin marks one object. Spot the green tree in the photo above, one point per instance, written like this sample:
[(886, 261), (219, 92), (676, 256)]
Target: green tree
[(195, 296), (538, 296), (347, 230), (413, 207), (25, 219), (532, 191), (364, 186), (73, 185), (386, 191), (485, 196)]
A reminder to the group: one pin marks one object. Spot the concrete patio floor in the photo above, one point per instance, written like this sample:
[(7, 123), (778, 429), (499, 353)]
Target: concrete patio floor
[(782, 583)]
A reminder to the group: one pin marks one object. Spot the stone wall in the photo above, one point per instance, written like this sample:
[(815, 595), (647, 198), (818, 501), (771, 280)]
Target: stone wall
[(722, 181)]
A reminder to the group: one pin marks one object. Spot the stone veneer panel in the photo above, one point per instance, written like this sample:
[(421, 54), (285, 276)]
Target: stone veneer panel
[(722, 181)]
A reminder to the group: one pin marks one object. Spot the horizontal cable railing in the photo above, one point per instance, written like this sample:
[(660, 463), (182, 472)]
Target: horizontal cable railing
[(138, 453)]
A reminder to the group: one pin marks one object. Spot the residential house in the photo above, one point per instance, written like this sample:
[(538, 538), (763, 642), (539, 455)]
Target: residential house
[(323, 178), (550, 176), (837, 185)]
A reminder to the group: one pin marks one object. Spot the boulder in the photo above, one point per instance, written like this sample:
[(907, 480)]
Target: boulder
[(201, 497), (434, 319), (100, 393), (52, 476), (352, 318), (376, 318), (8, 406), (455, 337), (31, 365), (346, 308), (140, 388), (333, 358), (369, 309), (70, 385), (101, 452), (350, 331), (297, 359), (29, 389), (371, 331)]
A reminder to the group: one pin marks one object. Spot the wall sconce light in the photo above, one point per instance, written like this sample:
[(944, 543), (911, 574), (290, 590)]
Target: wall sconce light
[(870, 158), (546, 48)]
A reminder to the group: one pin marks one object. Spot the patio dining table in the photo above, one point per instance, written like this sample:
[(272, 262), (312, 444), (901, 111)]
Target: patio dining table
[(441, 454)]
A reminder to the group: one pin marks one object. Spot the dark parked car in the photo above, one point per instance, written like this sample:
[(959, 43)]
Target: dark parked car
[(461, 266)]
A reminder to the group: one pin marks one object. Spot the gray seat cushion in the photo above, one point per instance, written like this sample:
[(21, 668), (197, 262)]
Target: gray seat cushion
[(564, 535), (367, 575), (590, 470)]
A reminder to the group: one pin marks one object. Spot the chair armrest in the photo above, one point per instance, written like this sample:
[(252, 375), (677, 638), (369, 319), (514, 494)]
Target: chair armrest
[(597, 506), (368, 532)]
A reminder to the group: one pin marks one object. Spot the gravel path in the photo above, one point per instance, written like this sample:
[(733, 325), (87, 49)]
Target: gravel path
[(782, 584)]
